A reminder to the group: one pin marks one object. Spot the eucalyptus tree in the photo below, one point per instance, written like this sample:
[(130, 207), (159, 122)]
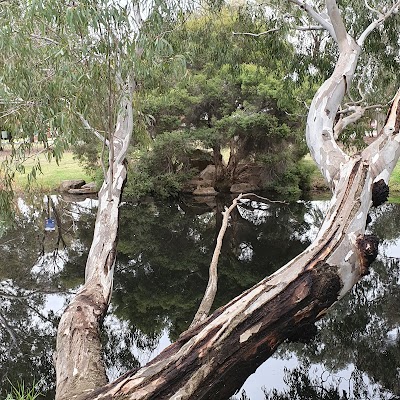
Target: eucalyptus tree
[(212, 358)]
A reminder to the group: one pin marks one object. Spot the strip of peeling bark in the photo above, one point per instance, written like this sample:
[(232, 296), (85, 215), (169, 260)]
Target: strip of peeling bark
[(78, 358)]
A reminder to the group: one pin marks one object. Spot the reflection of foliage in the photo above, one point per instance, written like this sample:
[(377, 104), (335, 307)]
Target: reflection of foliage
[(164, 255), (302, 387), (386, 221), (32, 288), (357, 330), (27, 338), (161, 272)]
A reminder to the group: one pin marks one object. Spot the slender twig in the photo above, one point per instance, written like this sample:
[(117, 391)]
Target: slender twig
[(58, 220), (91, 129), (104, 140), (256, 34), (372, 9), (10, 331), (45, 39)]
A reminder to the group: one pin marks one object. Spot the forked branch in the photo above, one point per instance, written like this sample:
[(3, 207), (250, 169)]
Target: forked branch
[(374, 24), (316, 16)]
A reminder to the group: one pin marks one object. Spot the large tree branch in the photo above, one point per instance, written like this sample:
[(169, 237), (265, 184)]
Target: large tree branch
[(373, 25), (337, 23), (385, 150), (316, 16), (355, 113)]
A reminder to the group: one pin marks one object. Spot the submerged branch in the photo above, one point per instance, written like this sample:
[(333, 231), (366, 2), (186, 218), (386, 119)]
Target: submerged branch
[(211, 290)]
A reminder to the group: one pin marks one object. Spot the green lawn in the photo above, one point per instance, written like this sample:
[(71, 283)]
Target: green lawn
[(394, 182), (52, 174), (69, 168), (317, 181)]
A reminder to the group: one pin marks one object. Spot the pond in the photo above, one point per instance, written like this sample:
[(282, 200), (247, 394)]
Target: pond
[(164, 253)]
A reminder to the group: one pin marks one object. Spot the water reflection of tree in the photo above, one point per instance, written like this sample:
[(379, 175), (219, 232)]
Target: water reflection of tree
[(162, 270), (362, 331), (36, 271), (164, 254)]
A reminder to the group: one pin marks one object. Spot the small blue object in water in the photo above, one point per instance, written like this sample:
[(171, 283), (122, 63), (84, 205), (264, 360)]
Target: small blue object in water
[(50, 224)]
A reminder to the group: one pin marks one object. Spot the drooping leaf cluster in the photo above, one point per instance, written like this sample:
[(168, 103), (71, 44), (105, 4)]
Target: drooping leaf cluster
[(61, 61)]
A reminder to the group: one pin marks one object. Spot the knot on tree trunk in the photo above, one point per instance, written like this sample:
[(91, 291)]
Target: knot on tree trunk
[(380, 193), (368, 249)]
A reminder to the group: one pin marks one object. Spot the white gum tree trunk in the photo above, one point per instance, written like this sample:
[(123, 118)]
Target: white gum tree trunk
[(213, 358), (78, 357)]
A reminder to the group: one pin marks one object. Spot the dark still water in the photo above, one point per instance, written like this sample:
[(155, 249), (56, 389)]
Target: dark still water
[(161, 272)]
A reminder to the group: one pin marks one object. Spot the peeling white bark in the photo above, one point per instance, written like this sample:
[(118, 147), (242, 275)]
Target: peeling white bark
[(79, 362)]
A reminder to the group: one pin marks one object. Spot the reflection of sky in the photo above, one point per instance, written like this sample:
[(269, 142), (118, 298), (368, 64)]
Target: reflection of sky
[(313, 217), (50, 264), (392, 250), (56, 303), (271, 373)]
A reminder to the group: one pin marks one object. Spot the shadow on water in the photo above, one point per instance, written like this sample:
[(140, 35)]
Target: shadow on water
[(161, 272)]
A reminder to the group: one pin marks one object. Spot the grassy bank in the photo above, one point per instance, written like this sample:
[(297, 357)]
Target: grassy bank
[(394, 182), (52, 174), (318, 182)]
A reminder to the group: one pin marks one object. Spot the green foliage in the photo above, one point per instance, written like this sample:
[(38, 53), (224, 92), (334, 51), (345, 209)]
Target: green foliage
[(163, 170), (234, 96), (19, 392), (394, 182), (64, 60)]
